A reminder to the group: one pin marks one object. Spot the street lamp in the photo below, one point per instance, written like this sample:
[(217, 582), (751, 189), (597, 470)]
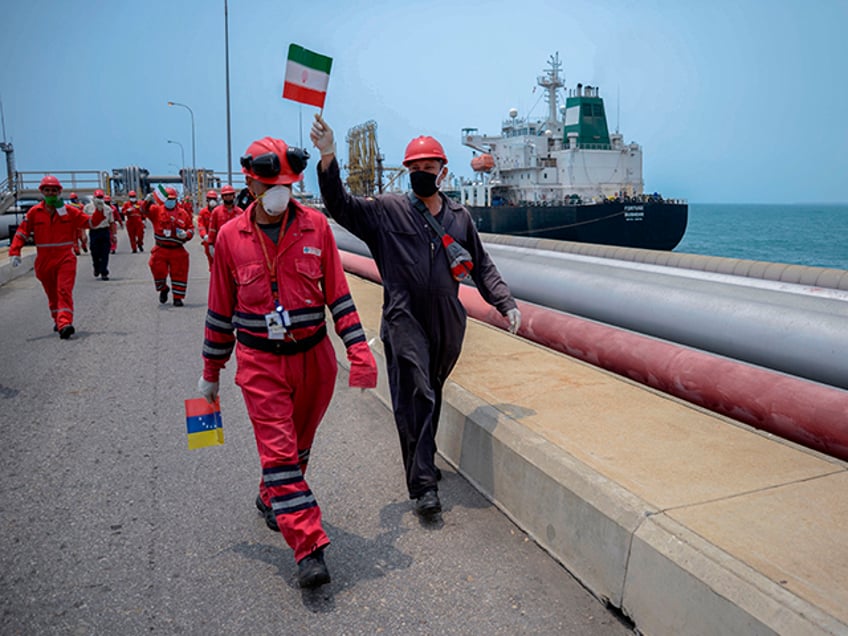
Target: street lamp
[(182, 152), (193, 156)]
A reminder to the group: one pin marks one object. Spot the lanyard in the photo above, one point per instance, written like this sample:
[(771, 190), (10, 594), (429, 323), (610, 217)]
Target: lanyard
[(272, 265)]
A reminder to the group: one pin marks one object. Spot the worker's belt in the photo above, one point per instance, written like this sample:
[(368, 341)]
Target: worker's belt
[(168, 246), (281, 347)]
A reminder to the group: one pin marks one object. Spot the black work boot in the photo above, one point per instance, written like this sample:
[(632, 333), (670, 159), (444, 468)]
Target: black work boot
[(428, 504), (268, 513), (163, 294), (312, 571), (66, 332)]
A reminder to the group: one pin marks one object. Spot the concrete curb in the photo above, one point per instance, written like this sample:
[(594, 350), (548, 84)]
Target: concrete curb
[(8, 273), (657, 571)]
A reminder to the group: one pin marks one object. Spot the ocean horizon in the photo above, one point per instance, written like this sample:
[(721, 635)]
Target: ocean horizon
[(811, 234)]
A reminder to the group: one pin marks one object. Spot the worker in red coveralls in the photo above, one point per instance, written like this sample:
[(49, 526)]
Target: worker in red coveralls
[(275, 269), (135, 222), (81, 240), (54, 227), (117, 219), (172, 227), (203, 218), (227, 211)]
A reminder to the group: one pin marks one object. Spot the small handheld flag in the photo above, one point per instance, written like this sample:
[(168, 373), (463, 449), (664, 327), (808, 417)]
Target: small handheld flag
[(307, 76), (203, 423), (159, 194)]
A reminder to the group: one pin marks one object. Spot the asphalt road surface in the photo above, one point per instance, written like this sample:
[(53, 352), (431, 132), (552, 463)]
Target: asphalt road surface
[(111, 526)]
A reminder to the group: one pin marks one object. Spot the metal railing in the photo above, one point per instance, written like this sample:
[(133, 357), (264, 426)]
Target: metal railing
[(80, 181)]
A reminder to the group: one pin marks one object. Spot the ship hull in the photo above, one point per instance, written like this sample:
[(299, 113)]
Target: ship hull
[(655, 225)]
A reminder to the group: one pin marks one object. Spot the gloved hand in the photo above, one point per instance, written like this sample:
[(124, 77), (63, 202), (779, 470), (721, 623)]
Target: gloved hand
[(212, 251), (207, 389), (181, 233), (363, 367), (322, 136), (514, 317), (15, 261)]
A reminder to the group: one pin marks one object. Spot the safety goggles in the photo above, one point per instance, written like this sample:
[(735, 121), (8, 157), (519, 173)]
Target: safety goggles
[(267, 165)]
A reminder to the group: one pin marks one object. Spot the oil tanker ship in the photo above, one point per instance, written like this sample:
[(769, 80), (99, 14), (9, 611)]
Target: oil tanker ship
[(566, 177)]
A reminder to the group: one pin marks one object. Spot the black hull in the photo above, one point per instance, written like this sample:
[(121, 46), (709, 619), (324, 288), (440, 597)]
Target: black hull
[(654, 225)]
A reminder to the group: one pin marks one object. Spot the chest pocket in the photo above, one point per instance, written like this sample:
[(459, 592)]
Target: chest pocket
[(254, 291), (310, 274), (405, 247)]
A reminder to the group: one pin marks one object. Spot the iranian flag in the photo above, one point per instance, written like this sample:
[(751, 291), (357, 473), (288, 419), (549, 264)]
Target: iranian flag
[(159, 194), (307, 76)]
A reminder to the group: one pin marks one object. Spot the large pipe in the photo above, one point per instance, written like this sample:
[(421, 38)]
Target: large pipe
[(805, 412), (802, 333)]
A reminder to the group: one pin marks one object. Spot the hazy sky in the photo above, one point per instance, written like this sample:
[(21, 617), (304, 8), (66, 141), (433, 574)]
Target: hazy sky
[(731, 100)]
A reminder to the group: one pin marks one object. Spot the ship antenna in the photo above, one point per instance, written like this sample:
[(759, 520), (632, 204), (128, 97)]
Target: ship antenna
[(3, 120)]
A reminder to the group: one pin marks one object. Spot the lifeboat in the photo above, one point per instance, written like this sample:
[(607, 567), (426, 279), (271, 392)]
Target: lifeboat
[(483, 163)]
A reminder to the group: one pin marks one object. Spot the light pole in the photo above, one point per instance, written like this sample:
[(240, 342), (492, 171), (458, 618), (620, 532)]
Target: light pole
[(182, 152), (193, 156)]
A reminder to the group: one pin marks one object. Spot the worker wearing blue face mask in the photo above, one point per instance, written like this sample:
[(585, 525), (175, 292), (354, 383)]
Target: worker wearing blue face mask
[(424, 244), (172, 227)]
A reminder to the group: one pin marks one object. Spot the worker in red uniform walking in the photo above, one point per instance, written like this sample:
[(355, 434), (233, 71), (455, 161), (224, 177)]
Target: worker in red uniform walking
[(81, 241), (54, 227), (172, 227), (227, 211), (134, 222), (275, 269), (203, 219), (117, 219), (423, 244)]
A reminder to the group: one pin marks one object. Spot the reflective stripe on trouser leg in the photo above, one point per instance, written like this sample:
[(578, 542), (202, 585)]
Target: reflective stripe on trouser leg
[(286, 397), (178, 261)]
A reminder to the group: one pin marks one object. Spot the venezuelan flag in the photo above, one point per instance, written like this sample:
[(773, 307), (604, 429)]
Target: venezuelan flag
[(203, 423)]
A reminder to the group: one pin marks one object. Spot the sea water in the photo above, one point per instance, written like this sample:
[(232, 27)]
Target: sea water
[(799, 234)]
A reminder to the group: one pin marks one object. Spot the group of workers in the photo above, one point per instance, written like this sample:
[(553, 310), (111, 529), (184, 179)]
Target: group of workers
[(274, 271)]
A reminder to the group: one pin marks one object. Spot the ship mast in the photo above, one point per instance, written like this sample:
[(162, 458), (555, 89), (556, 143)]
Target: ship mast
[(551, 82)]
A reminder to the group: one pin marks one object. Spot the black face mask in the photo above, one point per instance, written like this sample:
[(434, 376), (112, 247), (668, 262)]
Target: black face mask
[(423, 183)]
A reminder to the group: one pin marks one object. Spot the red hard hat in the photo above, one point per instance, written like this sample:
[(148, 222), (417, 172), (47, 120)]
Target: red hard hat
[(171, 193), (107, 198), (98, 194), (423, 148), (227, 189), (273, 162), (74, 195), (50, 180), (131, 193), (211, 195)]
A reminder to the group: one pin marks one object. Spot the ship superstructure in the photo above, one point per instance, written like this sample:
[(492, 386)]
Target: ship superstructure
[(569, 155)]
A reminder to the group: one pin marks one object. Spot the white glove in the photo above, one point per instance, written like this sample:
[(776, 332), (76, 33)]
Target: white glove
[(207, 389), (15, 261), (181, 233), (514, 317), (212, 251), (322, 136)]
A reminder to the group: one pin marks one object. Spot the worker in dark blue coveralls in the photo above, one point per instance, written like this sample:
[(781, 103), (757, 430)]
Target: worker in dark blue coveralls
[(423, 321)]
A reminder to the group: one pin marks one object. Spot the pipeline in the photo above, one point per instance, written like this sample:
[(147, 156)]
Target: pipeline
[(755, 321), (811, 414)]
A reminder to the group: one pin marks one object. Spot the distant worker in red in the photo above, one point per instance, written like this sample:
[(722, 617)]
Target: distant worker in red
[(81, 240), (276, 267), (100, 234), (203, 219), (54, 227), (135, 222), (117, 219), (172, 227), (227, 211)]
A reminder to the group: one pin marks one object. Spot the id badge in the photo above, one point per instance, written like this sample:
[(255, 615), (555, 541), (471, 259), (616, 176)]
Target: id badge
[(166, 232), (276, 329)]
